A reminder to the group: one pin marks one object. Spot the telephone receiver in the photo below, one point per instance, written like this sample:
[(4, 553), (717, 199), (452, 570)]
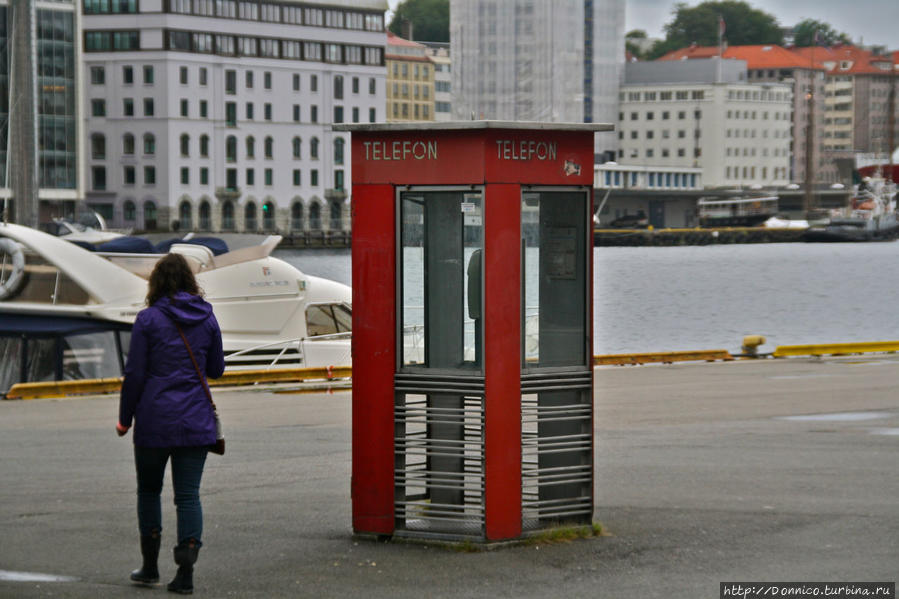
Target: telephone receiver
[(474, 285)]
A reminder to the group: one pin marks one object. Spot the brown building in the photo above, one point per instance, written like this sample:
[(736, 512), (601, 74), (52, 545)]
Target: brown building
[(859, 94), (410, 81)]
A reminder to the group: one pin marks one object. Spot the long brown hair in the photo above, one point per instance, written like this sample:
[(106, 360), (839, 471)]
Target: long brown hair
[(170, 275)]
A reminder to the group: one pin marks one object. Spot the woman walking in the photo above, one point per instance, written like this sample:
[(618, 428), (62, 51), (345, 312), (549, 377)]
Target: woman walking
[(173, 416)]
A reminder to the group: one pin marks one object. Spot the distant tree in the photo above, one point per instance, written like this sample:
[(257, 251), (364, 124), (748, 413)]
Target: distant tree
[(429, 19), (631, 44), (804, 34), (744, 25)]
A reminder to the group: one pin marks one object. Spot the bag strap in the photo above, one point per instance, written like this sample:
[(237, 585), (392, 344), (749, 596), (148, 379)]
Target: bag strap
[(196, 366)]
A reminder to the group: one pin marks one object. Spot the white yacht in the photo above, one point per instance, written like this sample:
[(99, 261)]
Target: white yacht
[(66, 311)]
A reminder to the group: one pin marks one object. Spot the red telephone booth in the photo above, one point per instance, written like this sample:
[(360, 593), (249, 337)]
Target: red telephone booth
[(472, 328)]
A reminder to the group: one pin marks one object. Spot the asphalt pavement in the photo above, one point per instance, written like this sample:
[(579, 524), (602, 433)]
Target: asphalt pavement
[(769, 470)]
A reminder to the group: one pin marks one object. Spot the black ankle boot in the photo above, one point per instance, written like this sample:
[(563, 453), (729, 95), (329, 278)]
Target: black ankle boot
[(185, 556), (149, 549)]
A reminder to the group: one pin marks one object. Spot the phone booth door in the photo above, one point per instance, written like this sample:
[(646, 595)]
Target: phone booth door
[(439, 379)]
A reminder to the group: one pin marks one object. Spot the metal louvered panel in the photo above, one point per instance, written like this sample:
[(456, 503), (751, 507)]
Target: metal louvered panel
[(556, 448), (439, 457)]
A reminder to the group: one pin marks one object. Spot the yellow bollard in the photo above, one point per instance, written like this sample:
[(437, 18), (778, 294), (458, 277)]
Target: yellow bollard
[(751, 344)]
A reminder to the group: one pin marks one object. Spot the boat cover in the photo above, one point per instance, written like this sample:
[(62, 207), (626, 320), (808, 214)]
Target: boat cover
[(31, 325), (127, 245), (216, 246)]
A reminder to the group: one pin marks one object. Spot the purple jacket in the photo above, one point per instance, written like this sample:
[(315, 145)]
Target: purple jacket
[(161, 390)]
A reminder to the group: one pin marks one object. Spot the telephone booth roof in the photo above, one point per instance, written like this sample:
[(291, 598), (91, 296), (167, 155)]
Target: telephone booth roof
[(473, 152)]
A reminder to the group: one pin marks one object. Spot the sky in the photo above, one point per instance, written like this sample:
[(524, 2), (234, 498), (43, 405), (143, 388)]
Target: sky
[(873, 21)]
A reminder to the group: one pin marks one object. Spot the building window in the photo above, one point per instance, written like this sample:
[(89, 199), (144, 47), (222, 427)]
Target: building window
[(185, 144), (296, 214), (228, 213), (338, 179), (338, 150), (338, 114), (98, 107), (230, 82), (204, 213), (251, 147), (251, 177), (203, 80), (127, 75), (204, 146), (148, 74), (99, 177), (296, 82), (204, 109), (338, 87), (355, 114), (315, 217), (129, 210), (249, 111), (269, 147), (297, 144), (313, 83), (231, 114), (98, 75), (148, 106), (231, 149), (183, 75), (268, 178), (268, 111), (372, 113), (297, 177), (313, 113), (128, 144), (204, 179), (313, 178), (372, 86), (98, 146), (249, 78), (128, 175), (267, 80), (184, 107), (149, 144), (296, 113), (149, 175), (128, 106), (185, 176), (313, 148), (249, 216)]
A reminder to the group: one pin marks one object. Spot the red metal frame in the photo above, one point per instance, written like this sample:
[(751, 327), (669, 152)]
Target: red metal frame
[(503, 160)]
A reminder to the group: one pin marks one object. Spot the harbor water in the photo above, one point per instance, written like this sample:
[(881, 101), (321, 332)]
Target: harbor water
[(649, 299)]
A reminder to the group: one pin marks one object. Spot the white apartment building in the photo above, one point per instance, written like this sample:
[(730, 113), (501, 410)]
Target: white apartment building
[(739, 134), (443, 81), (216, 115)]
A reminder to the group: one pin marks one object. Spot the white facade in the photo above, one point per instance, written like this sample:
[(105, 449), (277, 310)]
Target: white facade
[(443, 83), (223, 125), (535, 60), (738, 134)]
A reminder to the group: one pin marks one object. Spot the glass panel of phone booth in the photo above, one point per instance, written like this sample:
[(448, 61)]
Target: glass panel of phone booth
[(440, 257), (557, 419), (439, 398)]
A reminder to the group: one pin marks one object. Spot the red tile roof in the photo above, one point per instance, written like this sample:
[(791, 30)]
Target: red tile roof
[(395, 40), (756, 57), (848, 59)]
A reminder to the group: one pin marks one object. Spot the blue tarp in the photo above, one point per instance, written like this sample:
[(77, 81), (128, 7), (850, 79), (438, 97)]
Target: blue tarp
[(127, 245), (216, 245), (32, 325)]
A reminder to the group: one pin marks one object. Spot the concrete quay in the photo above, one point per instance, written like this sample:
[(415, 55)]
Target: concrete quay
[(767, 470)]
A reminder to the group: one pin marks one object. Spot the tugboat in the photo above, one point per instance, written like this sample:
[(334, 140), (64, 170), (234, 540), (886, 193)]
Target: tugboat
[(870, 216)]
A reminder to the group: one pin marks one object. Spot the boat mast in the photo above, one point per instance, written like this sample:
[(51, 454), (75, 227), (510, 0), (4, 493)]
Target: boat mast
[(810, 131)]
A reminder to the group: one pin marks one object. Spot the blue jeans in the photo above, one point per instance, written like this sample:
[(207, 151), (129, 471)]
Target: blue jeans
[(187, 470)]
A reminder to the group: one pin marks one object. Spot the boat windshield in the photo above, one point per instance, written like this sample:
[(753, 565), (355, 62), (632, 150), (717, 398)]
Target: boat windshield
[(41, 282)]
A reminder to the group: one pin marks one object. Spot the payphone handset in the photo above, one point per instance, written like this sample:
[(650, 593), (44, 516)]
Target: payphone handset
[(474, 285)]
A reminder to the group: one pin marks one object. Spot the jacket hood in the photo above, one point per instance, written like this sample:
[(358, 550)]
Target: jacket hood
[(185, 308)]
